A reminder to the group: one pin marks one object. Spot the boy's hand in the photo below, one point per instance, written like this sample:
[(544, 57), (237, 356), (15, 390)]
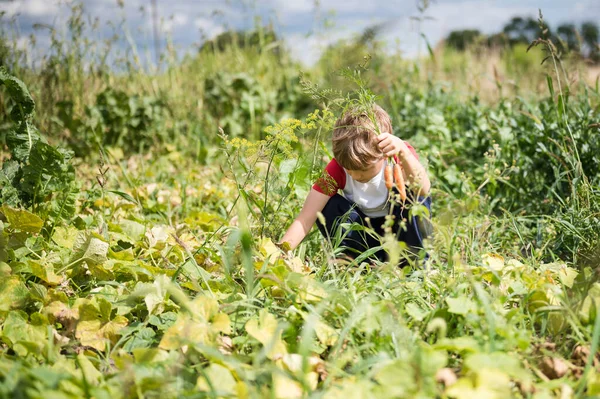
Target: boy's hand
[(390, 145)]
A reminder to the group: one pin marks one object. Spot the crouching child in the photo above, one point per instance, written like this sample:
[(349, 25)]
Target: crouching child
[(352, 188)]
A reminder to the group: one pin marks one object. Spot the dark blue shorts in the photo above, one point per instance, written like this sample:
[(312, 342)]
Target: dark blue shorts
[(356, 241)]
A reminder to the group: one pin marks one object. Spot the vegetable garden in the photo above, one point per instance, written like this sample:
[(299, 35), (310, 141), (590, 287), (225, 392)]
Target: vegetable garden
[(139, 212)]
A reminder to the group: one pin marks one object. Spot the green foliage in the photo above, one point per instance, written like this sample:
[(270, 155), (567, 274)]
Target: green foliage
[(270, 172), (133, 123), (38, 175), (238, 102), (462, 39), (519, 31), (259, 39), (166, 281)]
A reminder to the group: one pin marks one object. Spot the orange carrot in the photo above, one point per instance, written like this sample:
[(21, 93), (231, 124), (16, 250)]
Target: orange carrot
[(399, 178), (387, 174)]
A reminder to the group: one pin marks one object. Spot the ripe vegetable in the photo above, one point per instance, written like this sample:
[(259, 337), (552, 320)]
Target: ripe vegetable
[(399, 178), (387, 174)]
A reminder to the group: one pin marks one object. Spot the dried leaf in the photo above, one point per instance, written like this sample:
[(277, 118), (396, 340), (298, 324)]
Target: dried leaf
[(554, 367)]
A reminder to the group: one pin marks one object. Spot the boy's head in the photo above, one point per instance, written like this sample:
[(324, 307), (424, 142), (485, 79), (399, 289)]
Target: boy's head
[(355, 138)]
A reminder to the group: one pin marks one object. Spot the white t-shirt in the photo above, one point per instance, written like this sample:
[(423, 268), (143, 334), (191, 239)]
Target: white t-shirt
[(370, 197)]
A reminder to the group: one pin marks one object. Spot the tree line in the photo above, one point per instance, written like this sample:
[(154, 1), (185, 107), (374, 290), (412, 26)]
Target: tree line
[(568, 38)]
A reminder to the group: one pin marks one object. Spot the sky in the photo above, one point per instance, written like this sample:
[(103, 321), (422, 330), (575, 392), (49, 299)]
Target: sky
[(307, 26)]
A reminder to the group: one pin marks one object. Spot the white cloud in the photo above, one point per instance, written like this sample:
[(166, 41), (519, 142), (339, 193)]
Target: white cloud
[(293, 6), (10, 8), (488, 17), (208, 27), (308, 49), (31, 8), (176, 21)]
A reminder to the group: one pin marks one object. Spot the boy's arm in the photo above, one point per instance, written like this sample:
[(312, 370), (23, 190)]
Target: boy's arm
[(414, 172), (315, 202)]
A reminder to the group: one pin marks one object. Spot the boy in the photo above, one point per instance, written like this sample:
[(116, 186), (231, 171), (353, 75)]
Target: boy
[(360, 156)]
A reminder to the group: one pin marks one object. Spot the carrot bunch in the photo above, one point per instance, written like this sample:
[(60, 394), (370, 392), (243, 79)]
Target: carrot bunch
[(398, 178)]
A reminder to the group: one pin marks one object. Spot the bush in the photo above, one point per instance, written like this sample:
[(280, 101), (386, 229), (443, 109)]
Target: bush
[(37, 175), (130, 122)]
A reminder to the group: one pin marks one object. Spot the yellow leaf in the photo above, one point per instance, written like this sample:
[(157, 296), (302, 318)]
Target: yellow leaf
[(294, 363), (307, 287), (327, 335), (204, 307), (297, 265), (44, 270), (157, 236), (60, 311), (201, 326), (285, 387), (21, 219), (493, 261), (269, 250), (13, 293), (487, 384), (221, 323), (65, 236), (96, 334), (265, 331)]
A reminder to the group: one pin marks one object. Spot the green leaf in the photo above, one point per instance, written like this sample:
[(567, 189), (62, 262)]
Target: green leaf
[(21, 335), (458, 344), (88, 371), (3, 244), (142, 338), (89, 247), (593, 383), (217, 379), (408, 376), (132, 229), (163, 321), (124, 195), (23, 220), (48, 171), (497, 360), (19, 93), (64, 203), (590, 306), (550, 85), (560, 106), (10, 174), (207, 221), (397, 377), (415, 311), (461, 305)]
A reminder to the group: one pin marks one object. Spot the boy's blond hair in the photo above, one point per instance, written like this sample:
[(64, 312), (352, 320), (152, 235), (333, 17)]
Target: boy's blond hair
[(354, 137)]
